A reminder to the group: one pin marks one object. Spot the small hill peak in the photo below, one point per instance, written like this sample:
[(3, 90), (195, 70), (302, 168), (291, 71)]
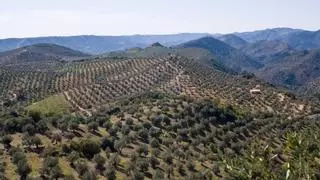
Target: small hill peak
[(157, 44)]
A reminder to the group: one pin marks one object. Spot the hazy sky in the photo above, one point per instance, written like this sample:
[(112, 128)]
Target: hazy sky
[(29, 18)]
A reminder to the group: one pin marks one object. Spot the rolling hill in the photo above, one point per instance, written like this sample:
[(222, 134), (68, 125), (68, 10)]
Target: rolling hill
[(267, 34), (149, 117), (304, 40), (159, 112), (40, 53), (296, 38), (227, 55), (294, 69), (266, 51), (158, 50), (233, 40), (101, 44)]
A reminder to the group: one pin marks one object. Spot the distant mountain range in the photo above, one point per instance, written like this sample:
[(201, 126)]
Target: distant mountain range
[(296, 38), (267, 34), (233, 40), (101, 44), (284, 56)]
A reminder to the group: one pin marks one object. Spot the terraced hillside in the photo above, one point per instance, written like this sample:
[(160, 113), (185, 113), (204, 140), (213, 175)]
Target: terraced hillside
[(90, 84), (166, 117)]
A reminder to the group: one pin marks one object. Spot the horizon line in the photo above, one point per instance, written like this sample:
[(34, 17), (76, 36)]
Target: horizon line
[(160, 34)]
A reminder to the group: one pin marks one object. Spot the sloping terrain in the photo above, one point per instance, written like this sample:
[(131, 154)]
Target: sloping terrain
[(160, 113), (101, 44), (311, 89), (295, 69), (158, 50), (267, 34), (153, 113), (88, 84), (296, 38), (39, 53), (233, 40), (266, 52), (304, 40), (227, 55), (165, 117)]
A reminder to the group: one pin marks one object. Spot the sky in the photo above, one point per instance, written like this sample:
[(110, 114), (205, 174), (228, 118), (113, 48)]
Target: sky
[(33, 18)]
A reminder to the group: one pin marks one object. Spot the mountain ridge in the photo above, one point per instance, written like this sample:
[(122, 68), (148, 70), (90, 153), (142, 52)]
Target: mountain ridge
[(295, 69), (95, 44), (226, 54), (40, 52)]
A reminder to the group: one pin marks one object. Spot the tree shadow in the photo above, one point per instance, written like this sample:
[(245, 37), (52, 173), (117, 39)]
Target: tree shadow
[(96, 133), (148, 175)]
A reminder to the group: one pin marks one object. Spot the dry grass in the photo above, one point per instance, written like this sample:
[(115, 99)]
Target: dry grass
[(11, 170), (56, 104), (67, 169), (35, 162)]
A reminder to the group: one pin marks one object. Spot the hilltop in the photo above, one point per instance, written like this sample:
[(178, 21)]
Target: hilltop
[(39, 53), (267, 34), (227, 55), (296, 38), (233, 40)]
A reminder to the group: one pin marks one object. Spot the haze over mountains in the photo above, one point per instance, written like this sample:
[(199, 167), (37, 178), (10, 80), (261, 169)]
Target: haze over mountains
[(299, 39), (101, 44), (281, 56)]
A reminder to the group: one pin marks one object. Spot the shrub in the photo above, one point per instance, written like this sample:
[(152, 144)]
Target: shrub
[(93, 126), (51, 169), (23, 167), (143, 149), (110, 173), (155, 143), (100, 161), (6, 140), (89, 147)]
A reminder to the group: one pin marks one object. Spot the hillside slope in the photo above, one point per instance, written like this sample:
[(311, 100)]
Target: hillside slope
[(304, 40), (158, 50), (295, 69), (296, 38), (101, 44), (266, 51), (39, 53), (233, 40), (150, 118), (267, 34), (227, 55)]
